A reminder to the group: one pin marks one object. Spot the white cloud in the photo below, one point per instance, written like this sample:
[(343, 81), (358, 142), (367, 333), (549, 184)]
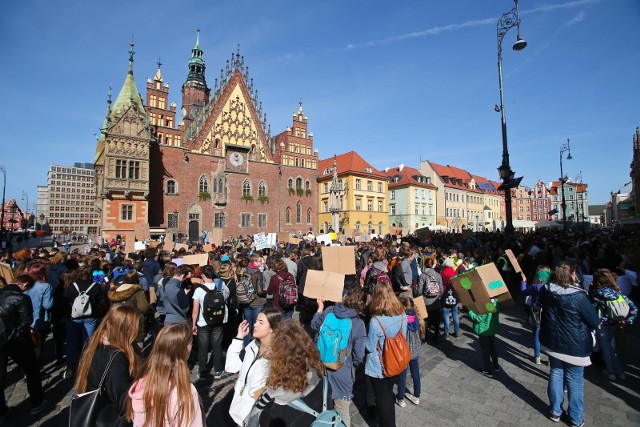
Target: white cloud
[(576, 19)]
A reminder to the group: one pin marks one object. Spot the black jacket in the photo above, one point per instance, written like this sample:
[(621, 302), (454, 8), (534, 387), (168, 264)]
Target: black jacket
[(95, 295), (16, 311), (567, 320), (117, 381)]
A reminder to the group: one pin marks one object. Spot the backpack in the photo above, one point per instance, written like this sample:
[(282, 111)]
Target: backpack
[(617, 309), (431, 288), (214, 305), (397, 278), (372, 277), (288, 293), (326, 418), (333, 341), (81, 306), (395, 356), (245, 291)]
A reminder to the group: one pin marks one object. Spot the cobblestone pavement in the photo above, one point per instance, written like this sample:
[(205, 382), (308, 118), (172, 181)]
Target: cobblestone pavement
[(453, 391)]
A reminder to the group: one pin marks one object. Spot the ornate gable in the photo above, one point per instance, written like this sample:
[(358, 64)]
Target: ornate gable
[(130, 125)]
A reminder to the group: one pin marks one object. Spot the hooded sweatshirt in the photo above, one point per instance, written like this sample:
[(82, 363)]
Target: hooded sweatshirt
[(136, 394), (131, 295), (343, 379)]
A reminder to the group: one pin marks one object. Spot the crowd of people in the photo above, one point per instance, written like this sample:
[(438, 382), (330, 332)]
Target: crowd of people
[(136, 325)]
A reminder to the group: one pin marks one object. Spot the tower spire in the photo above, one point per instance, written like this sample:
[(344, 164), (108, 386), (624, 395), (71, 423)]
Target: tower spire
[(131, 53)]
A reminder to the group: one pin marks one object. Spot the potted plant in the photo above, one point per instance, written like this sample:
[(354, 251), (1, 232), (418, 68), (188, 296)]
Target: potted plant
[(291, 191), (307, 192), (203, 196), (299, 192), (247, 198), (263, 199)]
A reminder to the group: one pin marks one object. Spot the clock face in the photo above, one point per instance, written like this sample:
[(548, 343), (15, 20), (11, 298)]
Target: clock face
[(236, 159)]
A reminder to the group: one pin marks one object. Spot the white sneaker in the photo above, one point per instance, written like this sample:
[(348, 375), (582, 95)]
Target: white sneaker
[(411, 398), (537, 360), (401, 403)]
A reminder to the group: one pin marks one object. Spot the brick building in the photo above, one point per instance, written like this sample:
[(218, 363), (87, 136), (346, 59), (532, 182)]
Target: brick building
[(218, 167)]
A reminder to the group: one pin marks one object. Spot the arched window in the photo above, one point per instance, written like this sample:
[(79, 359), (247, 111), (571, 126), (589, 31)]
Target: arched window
[(215, 185), (370, 227), (308, 216), (287, 216), (380, 228), (298, 213), (290, 183), (262, 189), (246, 188), (307, 185), (299, 183), (203, 185), (171, 187)]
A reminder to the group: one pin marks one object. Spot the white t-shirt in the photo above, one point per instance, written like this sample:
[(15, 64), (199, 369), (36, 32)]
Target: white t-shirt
[(199, 294)]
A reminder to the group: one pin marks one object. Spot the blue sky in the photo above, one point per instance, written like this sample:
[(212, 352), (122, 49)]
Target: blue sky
[(395, 81)]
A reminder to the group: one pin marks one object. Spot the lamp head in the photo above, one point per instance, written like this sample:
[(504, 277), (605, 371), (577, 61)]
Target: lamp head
[(519, 44), (569, 157)]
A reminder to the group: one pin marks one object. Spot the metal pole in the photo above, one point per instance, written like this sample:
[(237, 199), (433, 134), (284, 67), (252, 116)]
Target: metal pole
[(563, 149), (4, 188), (507, 21)]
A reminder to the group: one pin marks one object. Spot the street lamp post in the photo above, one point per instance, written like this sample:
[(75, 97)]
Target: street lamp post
[(564, 148), (4, 188), (25, 195), (507, 21)]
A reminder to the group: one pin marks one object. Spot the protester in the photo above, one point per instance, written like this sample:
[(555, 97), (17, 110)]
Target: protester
[(295, 372), (17, 315), (277, 288), (80, 329), (175, 299), (565, 333), (253, 367), (603, 292), (131, 293), (41, 295), (387, 312), (449, 299), (342, 379), (209, 330), (113, 341), (431, 296), (162, 394), (415, 331), (250, 290), (531, 293), (486, 326)]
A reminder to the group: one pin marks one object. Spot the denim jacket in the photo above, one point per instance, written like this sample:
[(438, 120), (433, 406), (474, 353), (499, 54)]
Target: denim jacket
[(392, 325), (41, 295)]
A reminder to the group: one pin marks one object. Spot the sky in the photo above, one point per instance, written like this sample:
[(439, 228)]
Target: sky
[(397, 82)]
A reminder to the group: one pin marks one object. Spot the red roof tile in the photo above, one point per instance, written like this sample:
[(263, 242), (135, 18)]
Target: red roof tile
[(407, 177), (347, 163)]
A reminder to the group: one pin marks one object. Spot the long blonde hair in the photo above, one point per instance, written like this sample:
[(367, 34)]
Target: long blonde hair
[(165, 369), (384, 302), (119, 330)]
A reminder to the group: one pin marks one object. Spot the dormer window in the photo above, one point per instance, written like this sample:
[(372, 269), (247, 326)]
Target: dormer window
[(327, 171), (368, 170)]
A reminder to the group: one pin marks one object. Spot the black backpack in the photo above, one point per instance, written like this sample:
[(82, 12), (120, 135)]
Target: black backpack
[(214, 305)]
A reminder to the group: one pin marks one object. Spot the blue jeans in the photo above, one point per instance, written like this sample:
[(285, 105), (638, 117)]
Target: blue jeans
[(251, 315), (606, 338), (414, 366), (561, 374), (456, 321), (78, 332), (536, 341), (287, 314)]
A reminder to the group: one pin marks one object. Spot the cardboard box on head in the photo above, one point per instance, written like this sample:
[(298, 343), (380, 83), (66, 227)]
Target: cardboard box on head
[(476, 288)]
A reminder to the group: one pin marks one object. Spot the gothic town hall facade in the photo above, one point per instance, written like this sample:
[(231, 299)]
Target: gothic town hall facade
[(215, 165)]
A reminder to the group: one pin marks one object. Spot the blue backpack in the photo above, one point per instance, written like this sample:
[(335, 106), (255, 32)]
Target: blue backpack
[(333, 341), (326, 418)]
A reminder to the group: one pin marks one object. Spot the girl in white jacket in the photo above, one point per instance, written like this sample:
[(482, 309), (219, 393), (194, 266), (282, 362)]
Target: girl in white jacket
[(253, 366)]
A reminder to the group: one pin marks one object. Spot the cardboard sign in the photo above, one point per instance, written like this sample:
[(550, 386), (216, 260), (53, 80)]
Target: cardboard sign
[(260, 240), (513, 260), (476, 288), (215, 236), (154, 244), (340, 259), (142, 231), (139, 246), (271, 239), (324, 239), (395, 231), (5, 272), (168, 240), (179, 246), (421, 308), (327, 285), (283, 237), (200, 259), (207, 248), (129, 239)]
